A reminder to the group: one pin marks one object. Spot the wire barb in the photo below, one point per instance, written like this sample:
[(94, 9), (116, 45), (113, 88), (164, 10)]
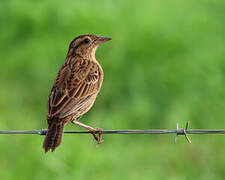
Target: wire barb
[(182, 131), (42, 132)]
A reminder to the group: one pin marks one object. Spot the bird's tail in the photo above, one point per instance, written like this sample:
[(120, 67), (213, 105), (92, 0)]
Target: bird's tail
[(53, 137)]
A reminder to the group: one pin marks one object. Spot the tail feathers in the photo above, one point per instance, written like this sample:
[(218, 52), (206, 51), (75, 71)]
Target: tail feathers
[(53, 137)]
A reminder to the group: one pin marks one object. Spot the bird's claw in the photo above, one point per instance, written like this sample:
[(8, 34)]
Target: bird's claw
[(98, 137)]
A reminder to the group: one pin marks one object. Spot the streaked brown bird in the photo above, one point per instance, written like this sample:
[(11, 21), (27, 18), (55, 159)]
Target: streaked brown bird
[(74, 91)]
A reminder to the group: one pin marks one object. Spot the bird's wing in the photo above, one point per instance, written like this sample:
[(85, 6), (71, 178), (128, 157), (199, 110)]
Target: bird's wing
[(74, 86)]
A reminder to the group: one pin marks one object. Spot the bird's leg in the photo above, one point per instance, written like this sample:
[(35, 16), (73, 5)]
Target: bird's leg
[(92, 130)]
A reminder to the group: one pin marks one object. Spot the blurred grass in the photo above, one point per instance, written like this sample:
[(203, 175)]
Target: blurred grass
[(164, 65)]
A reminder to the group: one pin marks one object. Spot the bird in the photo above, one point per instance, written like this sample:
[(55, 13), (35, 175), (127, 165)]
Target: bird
[(75, 89)]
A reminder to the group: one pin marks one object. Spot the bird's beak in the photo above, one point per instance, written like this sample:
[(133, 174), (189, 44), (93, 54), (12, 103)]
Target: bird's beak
[(101, 39)]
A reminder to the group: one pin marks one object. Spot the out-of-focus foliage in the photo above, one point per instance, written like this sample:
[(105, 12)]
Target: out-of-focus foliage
[(165, 64)]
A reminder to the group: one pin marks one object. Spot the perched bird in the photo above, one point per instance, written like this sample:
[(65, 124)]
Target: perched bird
[(75, 88)]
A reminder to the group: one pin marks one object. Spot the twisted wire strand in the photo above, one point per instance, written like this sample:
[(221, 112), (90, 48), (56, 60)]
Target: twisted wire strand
[(178, 131)]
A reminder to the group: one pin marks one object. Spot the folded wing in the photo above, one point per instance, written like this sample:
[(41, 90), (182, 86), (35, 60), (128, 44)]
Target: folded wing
[(76, 84)]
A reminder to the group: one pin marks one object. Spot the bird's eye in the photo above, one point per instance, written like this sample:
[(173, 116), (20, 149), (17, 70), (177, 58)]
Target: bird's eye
[(86, 41)]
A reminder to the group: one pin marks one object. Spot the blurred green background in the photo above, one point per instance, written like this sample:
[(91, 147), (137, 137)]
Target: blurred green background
[(165, 64)]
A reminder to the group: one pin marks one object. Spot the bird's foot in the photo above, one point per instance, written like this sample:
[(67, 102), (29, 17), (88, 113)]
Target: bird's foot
[(98, 137), (93, 131)]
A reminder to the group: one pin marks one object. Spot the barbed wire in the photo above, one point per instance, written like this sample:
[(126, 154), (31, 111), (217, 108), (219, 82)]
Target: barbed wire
[(178, 131)]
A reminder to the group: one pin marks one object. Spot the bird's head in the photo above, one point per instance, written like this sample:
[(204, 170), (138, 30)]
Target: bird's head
[(86, 45)]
